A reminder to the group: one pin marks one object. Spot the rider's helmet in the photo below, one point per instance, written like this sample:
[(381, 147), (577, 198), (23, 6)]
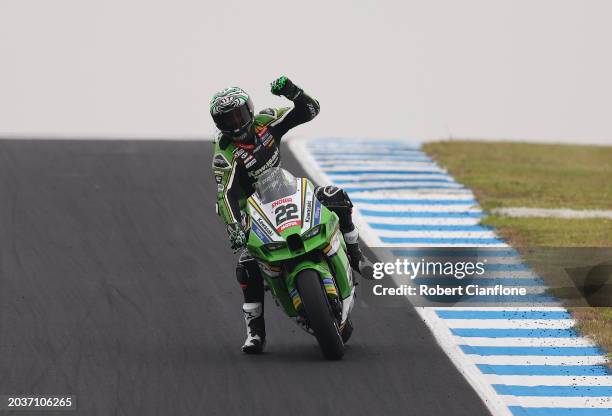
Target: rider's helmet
[(233, 113)]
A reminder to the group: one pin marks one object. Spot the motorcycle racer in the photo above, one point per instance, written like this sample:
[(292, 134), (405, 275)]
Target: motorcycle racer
[(246, 145)]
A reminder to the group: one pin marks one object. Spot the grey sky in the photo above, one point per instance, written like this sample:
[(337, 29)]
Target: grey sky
[(411, 69)]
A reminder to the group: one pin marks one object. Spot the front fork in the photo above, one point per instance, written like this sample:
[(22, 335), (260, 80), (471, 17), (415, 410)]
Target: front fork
[(340, 290)]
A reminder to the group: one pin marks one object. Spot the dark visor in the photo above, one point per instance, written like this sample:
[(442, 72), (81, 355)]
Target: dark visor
[(235, 119)]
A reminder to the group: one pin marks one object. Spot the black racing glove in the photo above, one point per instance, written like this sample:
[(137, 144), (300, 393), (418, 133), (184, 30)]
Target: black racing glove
[(237, 236), (283, 86)]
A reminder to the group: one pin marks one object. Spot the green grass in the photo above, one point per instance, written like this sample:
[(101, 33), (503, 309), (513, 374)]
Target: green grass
[(553, 232), (504, 174)]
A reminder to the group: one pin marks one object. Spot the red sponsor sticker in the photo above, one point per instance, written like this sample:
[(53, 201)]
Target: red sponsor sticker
[(281, 201), (261, 131), (289, 224)]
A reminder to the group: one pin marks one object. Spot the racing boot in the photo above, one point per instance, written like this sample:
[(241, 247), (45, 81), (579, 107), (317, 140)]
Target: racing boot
[(256, 328), (358, 261)]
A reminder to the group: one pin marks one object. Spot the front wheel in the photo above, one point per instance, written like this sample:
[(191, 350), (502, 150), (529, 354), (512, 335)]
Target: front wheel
[(319, 314)]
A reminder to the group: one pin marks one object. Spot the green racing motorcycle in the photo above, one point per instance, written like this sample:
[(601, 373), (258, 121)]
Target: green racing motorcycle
[(302, 256)]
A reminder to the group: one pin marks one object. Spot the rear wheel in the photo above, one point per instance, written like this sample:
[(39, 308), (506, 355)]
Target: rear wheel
[(319, 314)]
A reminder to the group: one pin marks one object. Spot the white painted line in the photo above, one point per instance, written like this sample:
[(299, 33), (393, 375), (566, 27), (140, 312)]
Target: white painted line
[(501, 276), (353, 147), (420, 208), (581, 402), (511, 323), (500, 260), (394, 176), (538, 360), (513, 274), (437, 234), (453, 193), (420, 221), (458, 196), (366, 185), (506, 308), (549, 380), (359, 164), (387, 167), (525, 342), (441, 245), (363, 148)]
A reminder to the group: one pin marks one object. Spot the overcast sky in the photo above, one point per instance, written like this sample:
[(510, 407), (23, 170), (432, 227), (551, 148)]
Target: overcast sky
[(518, 69)]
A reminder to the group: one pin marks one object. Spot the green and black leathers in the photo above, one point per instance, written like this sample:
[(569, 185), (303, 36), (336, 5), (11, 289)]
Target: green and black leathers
[(237, 166)]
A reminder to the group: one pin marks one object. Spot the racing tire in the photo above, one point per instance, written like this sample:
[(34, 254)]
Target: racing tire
[(319, 314)]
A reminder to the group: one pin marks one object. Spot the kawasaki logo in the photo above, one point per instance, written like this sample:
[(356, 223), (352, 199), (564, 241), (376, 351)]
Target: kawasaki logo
[(264, 226), (273, 161), (308, 210)]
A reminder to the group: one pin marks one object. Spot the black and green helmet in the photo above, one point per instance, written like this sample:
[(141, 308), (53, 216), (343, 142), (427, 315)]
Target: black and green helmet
[(233, 113)]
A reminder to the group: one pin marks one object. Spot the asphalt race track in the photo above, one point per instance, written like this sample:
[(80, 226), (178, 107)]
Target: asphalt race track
[(117, 286)]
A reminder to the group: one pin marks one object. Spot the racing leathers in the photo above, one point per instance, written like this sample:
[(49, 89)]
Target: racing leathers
[(236, 167)]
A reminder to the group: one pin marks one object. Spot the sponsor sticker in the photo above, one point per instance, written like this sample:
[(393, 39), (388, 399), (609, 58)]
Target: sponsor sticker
[(262, 132), (281, 201), (317, 212), (273, 161), (264, 226), (308, 210), (262, 236), (288, 225)]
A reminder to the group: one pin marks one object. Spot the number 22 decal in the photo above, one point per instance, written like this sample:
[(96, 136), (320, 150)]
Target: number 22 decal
[(285, 213)]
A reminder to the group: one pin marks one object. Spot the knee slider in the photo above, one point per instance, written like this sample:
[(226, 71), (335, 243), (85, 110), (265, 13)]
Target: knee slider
[(242, 275), (247, 269)]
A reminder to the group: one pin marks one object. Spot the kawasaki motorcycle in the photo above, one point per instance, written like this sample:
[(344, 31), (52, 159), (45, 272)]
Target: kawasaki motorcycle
[(302, 255)]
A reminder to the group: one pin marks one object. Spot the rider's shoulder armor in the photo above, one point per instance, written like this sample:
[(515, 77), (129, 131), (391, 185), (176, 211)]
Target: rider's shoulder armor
[(268, 116), (223, 154)]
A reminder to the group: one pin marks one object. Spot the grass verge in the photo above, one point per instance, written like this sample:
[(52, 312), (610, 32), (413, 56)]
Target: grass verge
[(504, 174)]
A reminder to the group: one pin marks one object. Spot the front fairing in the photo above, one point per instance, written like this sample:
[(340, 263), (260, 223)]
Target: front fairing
[(284, 247), (289, 217)]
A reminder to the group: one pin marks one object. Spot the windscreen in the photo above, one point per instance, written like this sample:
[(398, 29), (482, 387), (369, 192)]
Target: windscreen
[(275, 183)]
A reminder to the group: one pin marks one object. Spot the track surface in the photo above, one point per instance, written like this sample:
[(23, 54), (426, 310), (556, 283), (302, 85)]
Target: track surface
[(117, 285)]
